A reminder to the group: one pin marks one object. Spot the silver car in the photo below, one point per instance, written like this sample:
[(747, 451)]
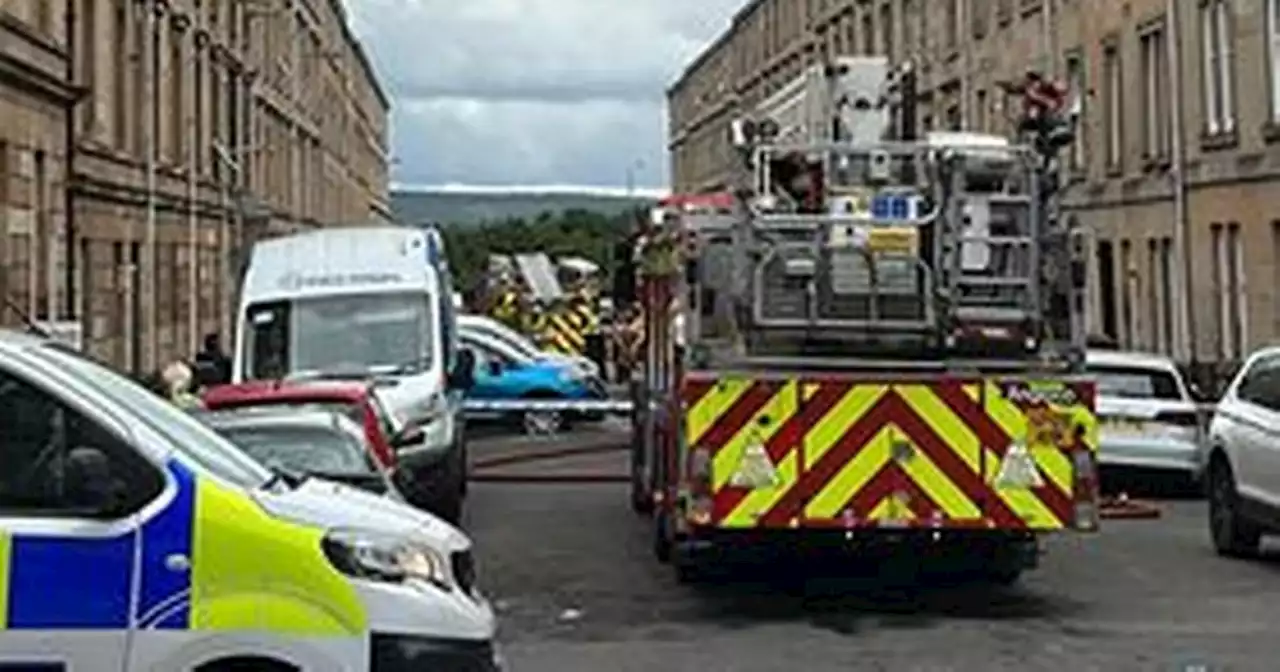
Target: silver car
[(1148, 416)]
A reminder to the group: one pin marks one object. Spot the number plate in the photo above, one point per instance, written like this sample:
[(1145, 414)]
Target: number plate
[(1125, 427), (897, 239)]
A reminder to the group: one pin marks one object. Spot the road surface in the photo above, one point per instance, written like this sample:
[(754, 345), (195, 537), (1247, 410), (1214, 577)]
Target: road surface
[(571, 574)]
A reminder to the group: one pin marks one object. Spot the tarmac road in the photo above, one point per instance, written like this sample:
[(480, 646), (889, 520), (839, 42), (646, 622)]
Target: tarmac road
[(571, 574)]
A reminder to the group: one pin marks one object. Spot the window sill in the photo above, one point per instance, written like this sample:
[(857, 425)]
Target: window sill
[(1212, 142), (1158, 163), (1115, 170)]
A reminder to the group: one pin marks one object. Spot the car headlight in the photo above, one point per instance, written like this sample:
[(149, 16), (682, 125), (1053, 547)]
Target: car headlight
[(378, 557), (571, 374)]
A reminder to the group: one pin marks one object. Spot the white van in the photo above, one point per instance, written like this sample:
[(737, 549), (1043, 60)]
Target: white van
[(132, 537), (369, 302)]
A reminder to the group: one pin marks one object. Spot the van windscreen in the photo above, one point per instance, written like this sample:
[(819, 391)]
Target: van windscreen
[(339, 335)]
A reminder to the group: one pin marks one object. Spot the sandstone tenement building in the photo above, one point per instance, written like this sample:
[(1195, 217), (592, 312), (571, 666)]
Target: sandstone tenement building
[(1185, 104), (145, 143)]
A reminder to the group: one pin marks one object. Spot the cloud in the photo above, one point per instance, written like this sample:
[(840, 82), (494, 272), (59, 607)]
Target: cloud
[(533, 91)]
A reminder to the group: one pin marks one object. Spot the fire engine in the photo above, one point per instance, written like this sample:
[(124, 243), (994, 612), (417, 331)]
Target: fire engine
[(874, 338)]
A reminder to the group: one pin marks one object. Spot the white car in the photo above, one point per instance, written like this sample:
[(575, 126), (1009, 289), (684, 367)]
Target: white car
[(496, 330), (1149, 419), (1243, 475)]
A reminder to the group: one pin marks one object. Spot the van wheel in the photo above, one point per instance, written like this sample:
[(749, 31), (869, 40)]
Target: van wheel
[(247, 664), (1233, 535)]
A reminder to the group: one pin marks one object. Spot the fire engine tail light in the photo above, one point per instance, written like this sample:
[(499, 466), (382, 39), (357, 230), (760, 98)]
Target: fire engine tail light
[(1084, 487), (700, 490)]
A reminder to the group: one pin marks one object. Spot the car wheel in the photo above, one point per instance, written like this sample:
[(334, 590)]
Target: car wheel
[(1233, 535)]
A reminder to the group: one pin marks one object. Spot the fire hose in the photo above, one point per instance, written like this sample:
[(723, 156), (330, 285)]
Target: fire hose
[(483, 469)]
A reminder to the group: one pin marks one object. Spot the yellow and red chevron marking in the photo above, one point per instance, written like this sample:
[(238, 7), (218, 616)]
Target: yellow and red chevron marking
[(850, 453)]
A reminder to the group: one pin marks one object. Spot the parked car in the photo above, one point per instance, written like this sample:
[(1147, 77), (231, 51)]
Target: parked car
[(503, 373), (357, 400), (326, 444), (1243, 469), (491, 328), (1150, 419)]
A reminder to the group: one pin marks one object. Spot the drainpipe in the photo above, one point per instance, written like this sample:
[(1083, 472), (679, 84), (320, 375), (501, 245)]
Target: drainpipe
[(1185, 347), (193, 218), (149, 251), (72, 234)]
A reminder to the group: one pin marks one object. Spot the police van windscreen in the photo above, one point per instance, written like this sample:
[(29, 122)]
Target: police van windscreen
[(339, 335)]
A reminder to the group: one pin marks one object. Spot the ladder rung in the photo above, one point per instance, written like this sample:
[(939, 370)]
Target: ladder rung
[(999, 240), (979, 281)]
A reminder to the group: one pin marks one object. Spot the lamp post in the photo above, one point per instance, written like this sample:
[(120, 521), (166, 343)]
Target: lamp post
[(633, 167)]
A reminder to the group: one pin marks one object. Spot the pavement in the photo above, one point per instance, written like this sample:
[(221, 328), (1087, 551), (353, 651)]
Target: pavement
[(570, 572)]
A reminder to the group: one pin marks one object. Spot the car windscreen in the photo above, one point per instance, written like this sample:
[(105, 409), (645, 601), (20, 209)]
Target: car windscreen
[(305, 449), (1134, 382), (517, 341), (349, 334), (201, 446)]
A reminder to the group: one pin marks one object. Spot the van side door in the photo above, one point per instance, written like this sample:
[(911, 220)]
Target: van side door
[(72, 488)]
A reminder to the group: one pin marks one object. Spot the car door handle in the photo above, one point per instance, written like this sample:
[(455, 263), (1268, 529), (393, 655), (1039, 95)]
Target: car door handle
[(177, 562)]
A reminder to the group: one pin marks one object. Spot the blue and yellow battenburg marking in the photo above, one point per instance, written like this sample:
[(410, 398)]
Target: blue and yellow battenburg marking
[(212, 559)]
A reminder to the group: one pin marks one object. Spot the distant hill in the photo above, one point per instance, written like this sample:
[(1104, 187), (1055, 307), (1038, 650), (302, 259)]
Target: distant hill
[(468, 208)]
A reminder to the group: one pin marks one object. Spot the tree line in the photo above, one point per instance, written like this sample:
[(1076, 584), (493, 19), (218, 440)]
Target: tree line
[(570, 233)]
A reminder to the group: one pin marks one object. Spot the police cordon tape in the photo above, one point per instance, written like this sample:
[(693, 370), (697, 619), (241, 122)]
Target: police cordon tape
[(606, 406)]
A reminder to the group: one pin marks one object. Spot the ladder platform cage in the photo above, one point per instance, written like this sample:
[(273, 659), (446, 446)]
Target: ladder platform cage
[(907, 247)]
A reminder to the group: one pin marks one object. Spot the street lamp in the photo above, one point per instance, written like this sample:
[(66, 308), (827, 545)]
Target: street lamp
[(632, 168)]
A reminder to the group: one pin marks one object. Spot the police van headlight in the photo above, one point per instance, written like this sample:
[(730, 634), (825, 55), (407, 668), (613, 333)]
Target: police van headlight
[(377, 557)]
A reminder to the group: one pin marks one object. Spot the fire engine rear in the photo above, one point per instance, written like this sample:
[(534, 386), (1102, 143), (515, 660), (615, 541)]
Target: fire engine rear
[(873, 338)]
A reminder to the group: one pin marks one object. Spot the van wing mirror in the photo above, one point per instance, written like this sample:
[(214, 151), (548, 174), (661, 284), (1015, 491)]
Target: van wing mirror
[(463, 375)]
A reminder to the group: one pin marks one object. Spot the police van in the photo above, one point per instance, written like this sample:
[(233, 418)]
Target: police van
[(370, 303), (132, 537)]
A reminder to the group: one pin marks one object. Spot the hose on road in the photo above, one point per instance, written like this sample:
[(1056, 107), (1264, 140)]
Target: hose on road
[(1121, 507), (482, 468)]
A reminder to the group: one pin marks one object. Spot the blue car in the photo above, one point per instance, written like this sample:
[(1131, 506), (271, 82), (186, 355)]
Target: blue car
[(503, 374)]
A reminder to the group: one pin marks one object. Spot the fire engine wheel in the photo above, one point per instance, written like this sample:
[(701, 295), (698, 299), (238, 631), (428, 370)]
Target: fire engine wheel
[(1233, 535), (641, 497), (1002, 573)]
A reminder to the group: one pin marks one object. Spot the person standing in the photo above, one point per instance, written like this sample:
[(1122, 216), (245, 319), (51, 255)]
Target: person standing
[(213, 361)]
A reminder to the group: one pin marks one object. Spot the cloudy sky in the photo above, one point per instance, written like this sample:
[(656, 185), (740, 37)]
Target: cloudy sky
[(533, 92)]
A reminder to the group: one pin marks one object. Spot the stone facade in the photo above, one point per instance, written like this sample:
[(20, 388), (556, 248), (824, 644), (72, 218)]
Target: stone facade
[(1206, 82), (202, 125)]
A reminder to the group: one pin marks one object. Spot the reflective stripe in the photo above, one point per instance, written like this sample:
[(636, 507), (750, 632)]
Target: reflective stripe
[(163, 601), (5, 545), (70, 583), (851, 453), (253, 571)]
